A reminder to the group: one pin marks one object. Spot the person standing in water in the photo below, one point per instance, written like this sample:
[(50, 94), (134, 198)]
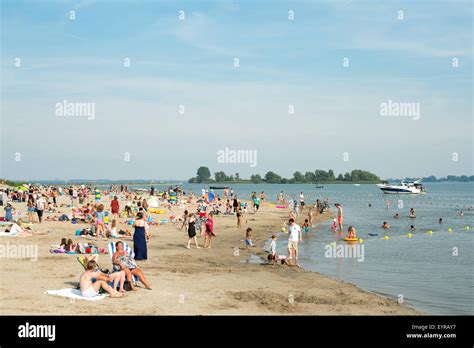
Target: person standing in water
[(294, 236), (310, 217), (302, 201), (339, 216)]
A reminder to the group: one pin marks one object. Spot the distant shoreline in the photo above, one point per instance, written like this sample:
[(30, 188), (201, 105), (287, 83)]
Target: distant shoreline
[(12, 183)]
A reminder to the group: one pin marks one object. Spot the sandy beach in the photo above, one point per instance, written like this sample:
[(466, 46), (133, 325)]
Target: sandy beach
[(212, 281)]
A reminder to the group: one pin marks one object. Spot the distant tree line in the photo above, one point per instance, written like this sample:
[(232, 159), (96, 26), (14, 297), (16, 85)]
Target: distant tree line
[(318, 176), (11, 183), (457, 178)]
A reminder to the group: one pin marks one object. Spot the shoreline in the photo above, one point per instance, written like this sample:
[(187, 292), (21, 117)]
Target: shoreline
[(188, 282)]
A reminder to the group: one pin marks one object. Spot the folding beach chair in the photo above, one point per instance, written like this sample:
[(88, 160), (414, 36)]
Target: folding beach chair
[(128, 250)]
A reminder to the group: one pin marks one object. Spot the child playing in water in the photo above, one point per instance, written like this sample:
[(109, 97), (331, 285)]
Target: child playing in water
[(351, 233), (306, 227), (334, 225), (248, 238), (385, 225), (272, 250)]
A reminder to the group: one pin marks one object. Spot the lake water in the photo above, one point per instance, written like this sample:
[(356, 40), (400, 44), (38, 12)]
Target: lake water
[(429, 272)]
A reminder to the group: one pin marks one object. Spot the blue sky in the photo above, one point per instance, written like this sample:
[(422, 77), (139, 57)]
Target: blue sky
[(190, 62)]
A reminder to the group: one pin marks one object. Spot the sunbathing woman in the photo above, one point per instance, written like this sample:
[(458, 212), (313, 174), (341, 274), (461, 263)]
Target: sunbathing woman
[(124, 262), (18, 231)]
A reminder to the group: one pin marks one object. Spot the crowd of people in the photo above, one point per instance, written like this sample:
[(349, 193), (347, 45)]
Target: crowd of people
[(133, 208)]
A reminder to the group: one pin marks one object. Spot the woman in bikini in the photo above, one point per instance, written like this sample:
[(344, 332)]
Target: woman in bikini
[(122, 261)]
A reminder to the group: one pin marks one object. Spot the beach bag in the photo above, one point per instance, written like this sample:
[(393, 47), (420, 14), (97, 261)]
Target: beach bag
[(127, 286)]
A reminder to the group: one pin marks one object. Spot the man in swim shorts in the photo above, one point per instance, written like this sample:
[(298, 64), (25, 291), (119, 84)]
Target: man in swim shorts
[(294, 236), (90, 288), (302, 201)]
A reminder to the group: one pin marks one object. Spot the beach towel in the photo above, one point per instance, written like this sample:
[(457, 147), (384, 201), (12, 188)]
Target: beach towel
[(7, 234), (74, 293)]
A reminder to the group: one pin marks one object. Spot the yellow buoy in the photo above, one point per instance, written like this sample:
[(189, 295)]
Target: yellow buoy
[(450, 230), (386, 237), (409, 235), (467, 228), (361, 240), (333, 243), (283, 229), (430, 232)]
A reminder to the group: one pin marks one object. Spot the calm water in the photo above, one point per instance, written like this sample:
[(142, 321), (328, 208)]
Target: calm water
[(422, 269)]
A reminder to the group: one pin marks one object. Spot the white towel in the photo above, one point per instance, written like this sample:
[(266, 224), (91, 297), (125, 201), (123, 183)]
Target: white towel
[(7, 234), (74, 293)]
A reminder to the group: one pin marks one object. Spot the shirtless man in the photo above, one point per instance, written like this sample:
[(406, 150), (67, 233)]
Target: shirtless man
[(339, 216), (90, 289)]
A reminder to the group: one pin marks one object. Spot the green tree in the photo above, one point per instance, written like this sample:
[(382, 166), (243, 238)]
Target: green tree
[(331, 176), (347, 176), (256, 179), (320, 175), (298, 176), (363, 175), (220, 176), (340, 177), (203, 174), (309, 177), (272, 178), (237, 177)]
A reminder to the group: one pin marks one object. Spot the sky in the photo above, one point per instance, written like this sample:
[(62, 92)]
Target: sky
[(168, 95)]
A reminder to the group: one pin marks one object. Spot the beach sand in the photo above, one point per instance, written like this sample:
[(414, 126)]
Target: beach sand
[(185, 282)]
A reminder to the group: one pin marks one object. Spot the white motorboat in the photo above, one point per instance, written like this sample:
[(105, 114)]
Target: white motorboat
[(413, 187)]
